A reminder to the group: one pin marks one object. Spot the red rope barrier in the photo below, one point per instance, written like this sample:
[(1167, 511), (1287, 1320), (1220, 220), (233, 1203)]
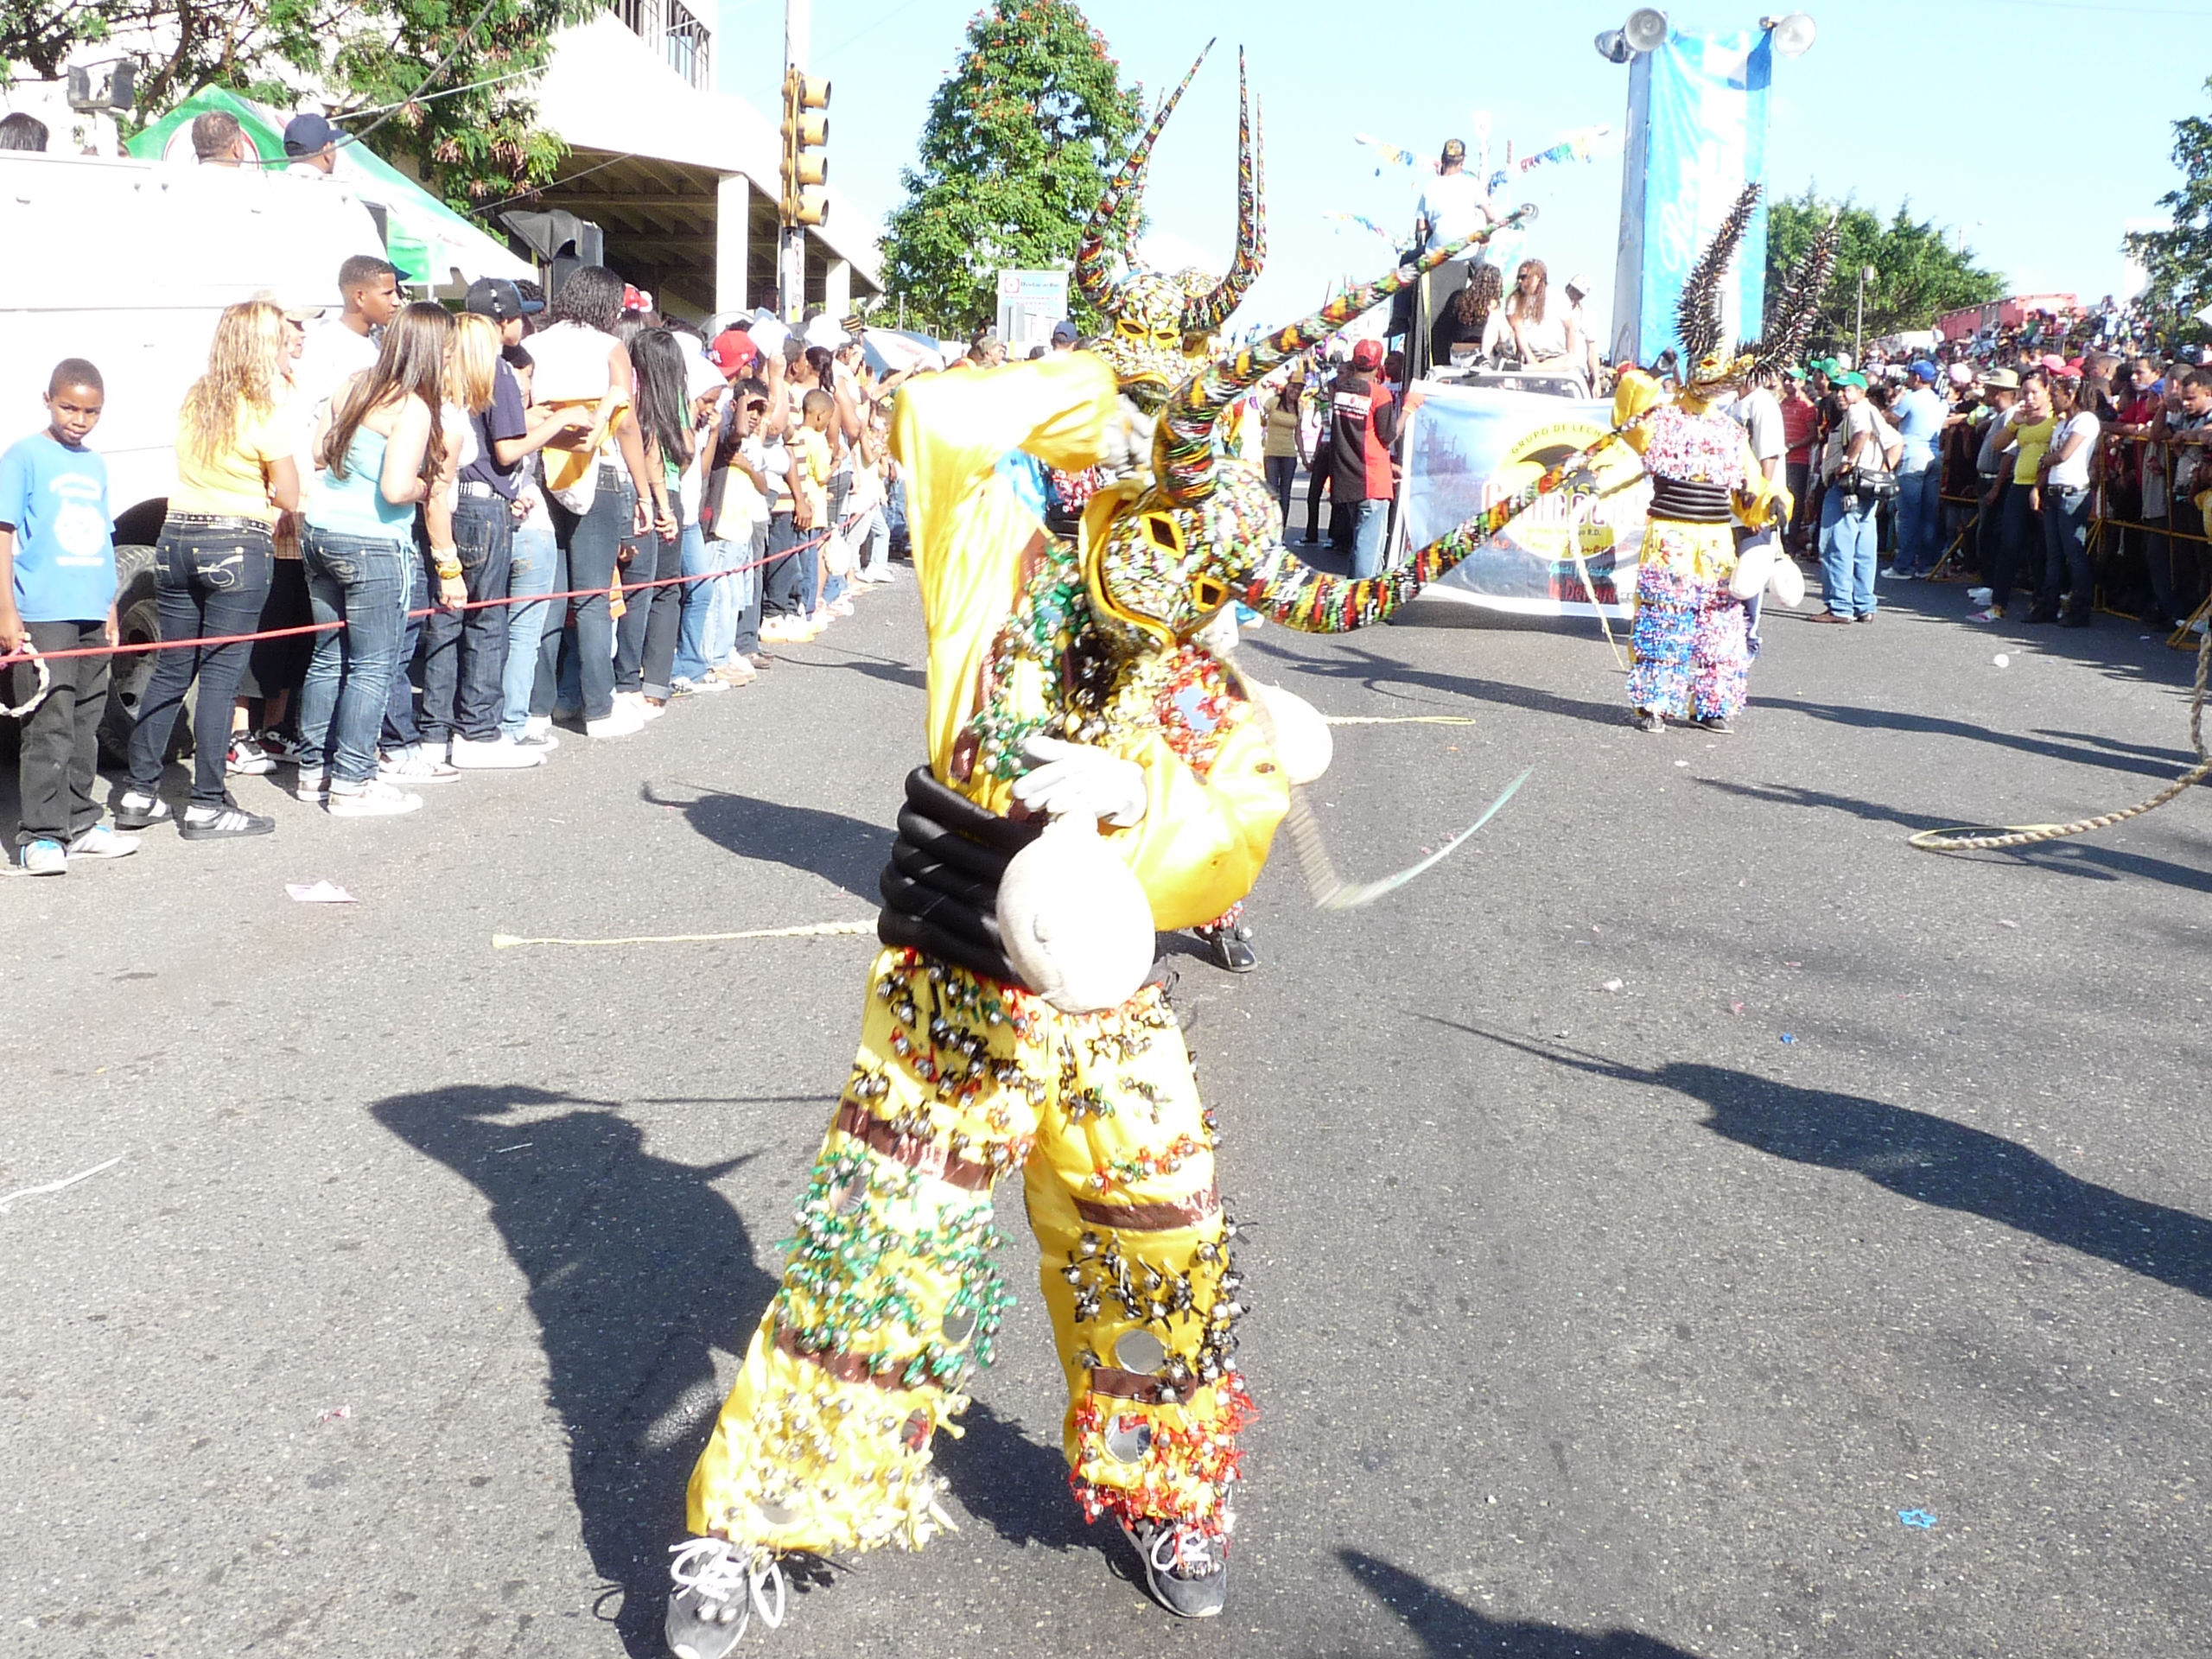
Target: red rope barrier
[(624, 588)]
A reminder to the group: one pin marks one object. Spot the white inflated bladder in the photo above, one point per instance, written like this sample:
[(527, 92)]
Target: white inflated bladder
[(1074, 921), (1301, 739)]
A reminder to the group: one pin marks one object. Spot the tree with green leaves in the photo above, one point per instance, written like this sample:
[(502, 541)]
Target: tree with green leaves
[(1918, 276), (1020, 141), (471, 145), (2179, 261)]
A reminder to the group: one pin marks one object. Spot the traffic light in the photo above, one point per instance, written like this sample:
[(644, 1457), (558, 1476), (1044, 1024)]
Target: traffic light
[(805, 131)]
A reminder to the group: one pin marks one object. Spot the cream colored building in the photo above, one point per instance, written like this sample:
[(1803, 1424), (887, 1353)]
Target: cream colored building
[(682, 179)]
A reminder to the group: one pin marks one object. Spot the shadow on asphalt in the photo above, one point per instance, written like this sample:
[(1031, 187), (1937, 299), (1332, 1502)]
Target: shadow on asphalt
[(1002, 1476), (1378, 673), (2162, 765), (638, 1271), (1926, 1159), (829, 844), (2076, 855), (1447, 1625)]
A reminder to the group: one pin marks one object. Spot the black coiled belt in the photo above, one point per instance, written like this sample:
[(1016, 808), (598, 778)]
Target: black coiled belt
[(941, 888), (1689, 502)]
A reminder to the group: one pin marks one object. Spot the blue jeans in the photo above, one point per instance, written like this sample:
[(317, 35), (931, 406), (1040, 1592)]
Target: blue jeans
[(210, 577), (401, 730), (709, 623), (1920, 520), (363, 581), (465, 652), (873, 537), (529, 570), (645, 650), (784, 582), (591, 543), (1374, 526), (2019, 543), (1282, 474), (1847, 552), (2066, 551)]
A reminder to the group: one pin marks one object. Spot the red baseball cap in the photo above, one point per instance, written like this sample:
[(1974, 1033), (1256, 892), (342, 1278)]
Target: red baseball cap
[(734, 352), (1367, 355), (635, 298)]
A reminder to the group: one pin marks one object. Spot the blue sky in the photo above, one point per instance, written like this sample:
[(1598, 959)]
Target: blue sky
[(1897, 99)]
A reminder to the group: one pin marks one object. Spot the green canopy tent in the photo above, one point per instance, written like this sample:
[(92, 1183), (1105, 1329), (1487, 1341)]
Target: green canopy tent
[(433, 247)]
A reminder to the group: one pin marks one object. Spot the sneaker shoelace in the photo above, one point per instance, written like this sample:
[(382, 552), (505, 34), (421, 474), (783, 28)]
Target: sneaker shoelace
[(1185, 1551), (715, 1573)]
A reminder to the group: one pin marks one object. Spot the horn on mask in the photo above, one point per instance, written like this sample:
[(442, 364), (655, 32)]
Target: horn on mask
[(1799, 303), (1094, 261), (1697, 315), (1183, 457), (1205, 316)]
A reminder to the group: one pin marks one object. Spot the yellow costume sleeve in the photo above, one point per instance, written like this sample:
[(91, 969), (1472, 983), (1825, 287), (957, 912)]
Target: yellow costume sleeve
[(968, 525), (1635, 393), (1761, 501)]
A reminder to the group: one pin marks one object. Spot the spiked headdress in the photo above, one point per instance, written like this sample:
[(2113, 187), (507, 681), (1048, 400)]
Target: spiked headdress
[(1150, 313)]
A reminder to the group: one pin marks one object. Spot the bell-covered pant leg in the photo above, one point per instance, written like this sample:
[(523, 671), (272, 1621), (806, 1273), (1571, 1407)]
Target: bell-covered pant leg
[(890, 1300)]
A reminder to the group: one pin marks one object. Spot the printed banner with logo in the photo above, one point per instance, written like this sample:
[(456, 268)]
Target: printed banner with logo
[(1466, 448)]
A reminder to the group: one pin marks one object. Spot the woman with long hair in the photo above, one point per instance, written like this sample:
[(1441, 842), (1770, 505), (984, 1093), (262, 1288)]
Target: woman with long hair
[(380, 451), (644, 651), (2064, 479), (597, 487), (235, 474), (465, 652), (1541, 333)]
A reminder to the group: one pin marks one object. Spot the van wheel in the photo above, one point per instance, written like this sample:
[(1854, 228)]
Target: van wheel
[(138, 620)]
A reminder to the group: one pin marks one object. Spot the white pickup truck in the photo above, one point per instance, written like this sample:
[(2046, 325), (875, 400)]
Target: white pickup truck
[(128, 264)]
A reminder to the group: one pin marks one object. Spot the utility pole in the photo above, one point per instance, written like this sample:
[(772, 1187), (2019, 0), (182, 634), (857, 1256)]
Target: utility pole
[(802, 201), (1866, 275)]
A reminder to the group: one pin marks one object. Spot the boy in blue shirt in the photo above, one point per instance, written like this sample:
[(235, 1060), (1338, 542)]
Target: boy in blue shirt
[(57, 593)]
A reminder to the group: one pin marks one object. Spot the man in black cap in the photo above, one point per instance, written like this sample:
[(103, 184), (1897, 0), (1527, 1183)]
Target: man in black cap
[(1065, 335), (505, 304), (311, 142)]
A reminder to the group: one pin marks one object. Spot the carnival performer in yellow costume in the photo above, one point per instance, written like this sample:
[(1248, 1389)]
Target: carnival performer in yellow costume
[(1691, 657), (1075, 724)]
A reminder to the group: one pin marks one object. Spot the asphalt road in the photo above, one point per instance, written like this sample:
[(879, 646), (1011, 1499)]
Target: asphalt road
[(1647, 1206)]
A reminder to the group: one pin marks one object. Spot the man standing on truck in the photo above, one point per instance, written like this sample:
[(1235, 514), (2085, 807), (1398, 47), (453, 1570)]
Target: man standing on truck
[(311, 146)]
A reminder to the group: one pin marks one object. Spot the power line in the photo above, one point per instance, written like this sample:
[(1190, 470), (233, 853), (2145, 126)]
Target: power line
[(850, 40)]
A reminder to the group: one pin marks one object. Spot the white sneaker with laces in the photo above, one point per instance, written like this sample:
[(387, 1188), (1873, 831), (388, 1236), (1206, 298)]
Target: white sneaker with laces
[(493, 754), (623, 722), (716, 1592), (377, 799), (100, 841), (416, 765)]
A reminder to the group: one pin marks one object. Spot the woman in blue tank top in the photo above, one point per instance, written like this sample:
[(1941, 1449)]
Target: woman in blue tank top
[(379, 453)]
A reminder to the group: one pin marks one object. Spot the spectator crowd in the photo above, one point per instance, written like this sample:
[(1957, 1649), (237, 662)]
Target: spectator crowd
[(406, 544)]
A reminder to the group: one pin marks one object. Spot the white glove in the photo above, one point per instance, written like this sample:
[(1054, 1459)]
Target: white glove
[(1075, 779)]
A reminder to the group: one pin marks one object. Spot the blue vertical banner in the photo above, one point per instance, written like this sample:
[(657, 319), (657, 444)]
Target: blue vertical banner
[(1697, 135)]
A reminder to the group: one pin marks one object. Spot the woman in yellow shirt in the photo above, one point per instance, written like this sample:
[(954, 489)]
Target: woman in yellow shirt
[(235, 474), (2019, 543)]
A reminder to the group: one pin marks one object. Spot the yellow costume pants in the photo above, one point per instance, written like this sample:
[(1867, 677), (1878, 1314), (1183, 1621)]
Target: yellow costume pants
[(889, 1301)]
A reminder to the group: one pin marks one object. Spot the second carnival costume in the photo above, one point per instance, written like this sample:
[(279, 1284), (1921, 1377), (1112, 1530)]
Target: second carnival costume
[(1063, 677), (1691, 655)]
